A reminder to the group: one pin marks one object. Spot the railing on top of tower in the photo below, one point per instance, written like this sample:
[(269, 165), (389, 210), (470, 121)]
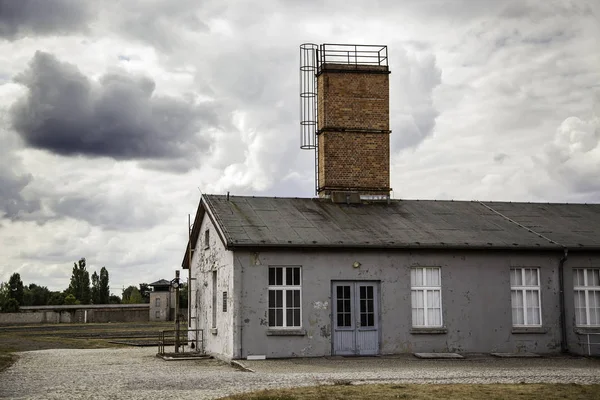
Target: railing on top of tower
[(352, 54)]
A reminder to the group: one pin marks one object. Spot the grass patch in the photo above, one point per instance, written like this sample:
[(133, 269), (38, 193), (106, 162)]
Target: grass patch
[(429, 392)]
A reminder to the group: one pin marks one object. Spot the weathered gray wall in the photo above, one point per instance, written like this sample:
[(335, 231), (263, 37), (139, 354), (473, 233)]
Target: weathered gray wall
[(475, 294), (217, 341), (73, 314), (575, 335), (39, 317)]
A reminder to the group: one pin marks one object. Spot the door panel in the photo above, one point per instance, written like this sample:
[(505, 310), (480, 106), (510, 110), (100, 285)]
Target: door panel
[(355, 318)]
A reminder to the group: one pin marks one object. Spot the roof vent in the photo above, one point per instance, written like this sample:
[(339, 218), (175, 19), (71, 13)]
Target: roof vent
[(345, 197)]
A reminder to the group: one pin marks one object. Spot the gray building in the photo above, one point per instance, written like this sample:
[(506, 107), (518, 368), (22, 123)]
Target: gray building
[(354, 272)]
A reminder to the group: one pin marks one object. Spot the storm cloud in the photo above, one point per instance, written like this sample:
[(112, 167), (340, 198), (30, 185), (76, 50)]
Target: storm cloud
[(117, 116), (19, 18)]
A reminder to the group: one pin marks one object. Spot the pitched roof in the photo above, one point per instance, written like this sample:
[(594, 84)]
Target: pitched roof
[(310, 222), (160, 282)]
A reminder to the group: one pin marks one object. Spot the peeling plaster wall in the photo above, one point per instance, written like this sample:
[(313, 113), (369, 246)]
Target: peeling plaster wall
[(476, 300), (205, 260)]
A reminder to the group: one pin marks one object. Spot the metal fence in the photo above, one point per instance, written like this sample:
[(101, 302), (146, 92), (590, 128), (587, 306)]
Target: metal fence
[(184, 341)]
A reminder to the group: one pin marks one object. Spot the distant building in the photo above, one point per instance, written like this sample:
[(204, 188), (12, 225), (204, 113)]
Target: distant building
[(353, 272), (162, 299)]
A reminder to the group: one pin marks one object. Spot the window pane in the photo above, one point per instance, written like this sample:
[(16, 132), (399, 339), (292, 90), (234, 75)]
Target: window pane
[(580, 315), (530, 277), (340, 319), (279, 276), (271, 298), (347, 319), (517, 307), (416, 276), (578, 277), (297, 317), (296, 298), (289, 302), (432, 277), (279, 316), (363, 319), (289, 317), (288, 276), (272, 317), (272, 276), (346, 292), (594, 297), (278, 298), (593, 277), (297, 276)]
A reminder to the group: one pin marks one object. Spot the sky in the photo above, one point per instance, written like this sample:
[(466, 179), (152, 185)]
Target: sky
[(116, 116)]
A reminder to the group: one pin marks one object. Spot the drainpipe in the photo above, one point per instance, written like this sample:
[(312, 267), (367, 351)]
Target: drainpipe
[(563, 320)]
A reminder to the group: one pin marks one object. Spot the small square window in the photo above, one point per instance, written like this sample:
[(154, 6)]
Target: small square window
[(157, 302)]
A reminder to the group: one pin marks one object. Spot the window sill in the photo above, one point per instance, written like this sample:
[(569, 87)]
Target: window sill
[(214, 331), (529, 329), (429, 331), (286, 332), (584, 330)]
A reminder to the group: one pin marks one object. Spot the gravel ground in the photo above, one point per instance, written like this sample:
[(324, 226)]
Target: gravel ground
[(128, 373)]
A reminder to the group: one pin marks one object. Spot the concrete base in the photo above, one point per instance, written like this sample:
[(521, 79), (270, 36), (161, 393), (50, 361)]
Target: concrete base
[(183, 356), (434, 356), (516, 355)]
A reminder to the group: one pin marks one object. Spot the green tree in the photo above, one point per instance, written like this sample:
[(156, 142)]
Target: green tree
[(11, 305), (133, 296), (95, 289), (126, 294), (145, 292), (56, 299), (183, 296), (70, 300), (79, 286), (35, 295), (4, 294), (16, 288), (104, 289), (114, 299)]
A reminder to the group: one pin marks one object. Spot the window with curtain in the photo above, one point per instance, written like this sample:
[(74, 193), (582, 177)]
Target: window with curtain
[(525, 297), (586, 293), (426, 296)]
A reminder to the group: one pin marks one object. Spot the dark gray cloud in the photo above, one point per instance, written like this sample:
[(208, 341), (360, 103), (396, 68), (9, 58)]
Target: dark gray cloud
[(118, 116), (12, 202), (20, 18)]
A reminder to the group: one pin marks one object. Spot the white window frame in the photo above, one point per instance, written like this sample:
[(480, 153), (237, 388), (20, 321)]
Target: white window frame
[(285, 287), (586, 289), (523, 289), (425, 288)]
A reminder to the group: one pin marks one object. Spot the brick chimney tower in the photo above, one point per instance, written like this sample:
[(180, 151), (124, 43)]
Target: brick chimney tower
[(353, 124), (344, 92)]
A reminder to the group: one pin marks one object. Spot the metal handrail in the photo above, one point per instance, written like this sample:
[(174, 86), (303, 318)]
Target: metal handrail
[(352, 54), (194, 343)]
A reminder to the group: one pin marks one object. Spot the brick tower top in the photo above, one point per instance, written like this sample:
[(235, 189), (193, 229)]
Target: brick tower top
[(352, 122)]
